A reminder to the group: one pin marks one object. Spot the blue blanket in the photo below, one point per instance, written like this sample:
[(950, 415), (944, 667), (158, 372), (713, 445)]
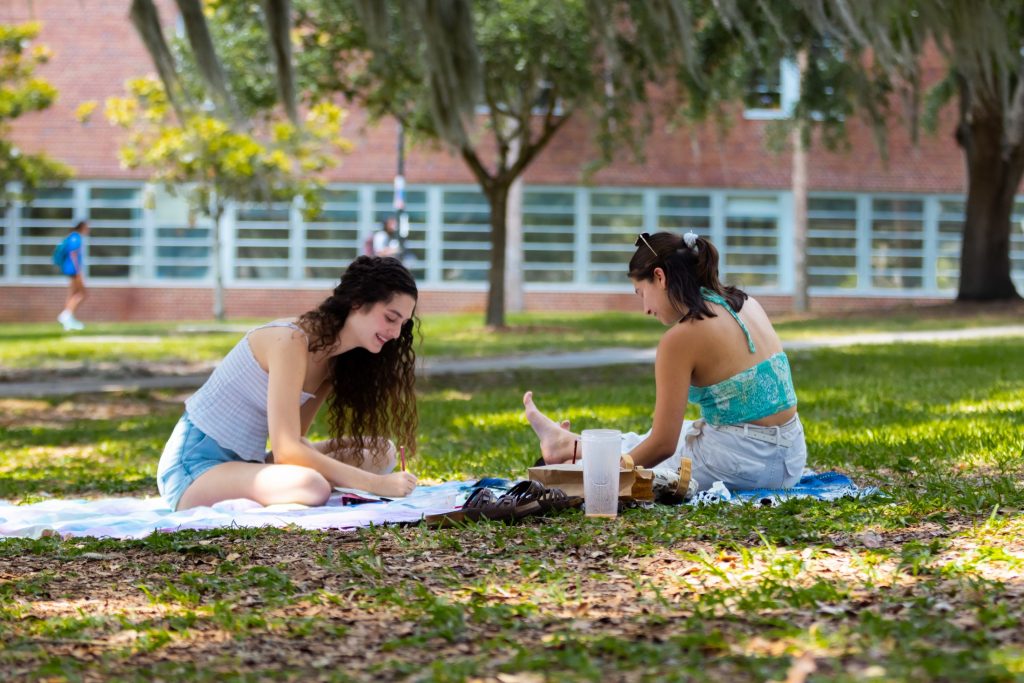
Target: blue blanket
[(827, 486)]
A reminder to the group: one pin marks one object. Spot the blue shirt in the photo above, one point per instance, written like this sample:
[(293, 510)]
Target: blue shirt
[(73, 245)]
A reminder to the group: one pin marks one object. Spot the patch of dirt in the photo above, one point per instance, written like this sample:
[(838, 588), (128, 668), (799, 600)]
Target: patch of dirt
[(104, 370), (23, 412), (533, 329), (642, 598)]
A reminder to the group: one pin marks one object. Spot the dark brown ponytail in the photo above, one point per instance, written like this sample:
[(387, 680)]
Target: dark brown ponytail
[(688, 269)]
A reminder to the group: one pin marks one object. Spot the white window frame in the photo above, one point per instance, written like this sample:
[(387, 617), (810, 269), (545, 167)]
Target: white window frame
[(789, 95)]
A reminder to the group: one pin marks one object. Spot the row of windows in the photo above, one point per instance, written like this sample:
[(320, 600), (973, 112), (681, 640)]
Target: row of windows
[(571, 237)]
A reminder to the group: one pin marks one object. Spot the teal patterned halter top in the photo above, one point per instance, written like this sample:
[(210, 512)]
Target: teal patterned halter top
[(758, 391)]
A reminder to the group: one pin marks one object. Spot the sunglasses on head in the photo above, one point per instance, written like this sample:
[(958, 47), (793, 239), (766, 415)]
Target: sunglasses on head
[(642, 239)]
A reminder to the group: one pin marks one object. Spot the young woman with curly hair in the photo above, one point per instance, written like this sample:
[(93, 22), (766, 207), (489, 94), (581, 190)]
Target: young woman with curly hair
[(355, 352)]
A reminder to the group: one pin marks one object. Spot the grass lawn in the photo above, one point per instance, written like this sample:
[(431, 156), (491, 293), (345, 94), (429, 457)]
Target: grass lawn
[(43, 347), (923, 584)]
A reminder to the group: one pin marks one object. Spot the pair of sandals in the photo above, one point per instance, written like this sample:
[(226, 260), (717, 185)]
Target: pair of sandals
[(525, 498)]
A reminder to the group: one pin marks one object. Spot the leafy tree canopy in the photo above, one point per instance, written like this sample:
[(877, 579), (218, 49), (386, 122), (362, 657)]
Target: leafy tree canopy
[(216, 163), (22, 92), (242, 149)]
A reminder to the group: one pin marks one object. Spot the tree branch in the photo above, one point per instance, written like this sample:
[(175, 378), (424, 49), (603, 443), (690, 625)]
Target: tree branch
[(451, 62), (963, 137), (485, 179), (528, 151), (279, 15), (498, 128), (146, 19), (206, 56), (1015, 115)]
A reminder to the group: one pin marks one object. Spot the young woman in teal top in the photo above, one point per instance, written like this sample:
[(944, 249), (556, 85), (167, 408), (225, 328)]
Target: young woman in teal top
[(720, 352)]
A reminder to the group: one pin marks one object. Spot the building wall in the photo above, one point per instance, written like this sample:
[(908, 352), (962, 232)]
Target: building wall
[(96, 50)]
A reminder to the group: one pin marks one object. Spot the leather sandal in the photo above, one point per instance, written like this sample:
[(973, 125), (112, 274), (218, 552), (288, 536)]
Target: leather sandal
[(554, 500), (524, 498), (474, 509), (532, 496)]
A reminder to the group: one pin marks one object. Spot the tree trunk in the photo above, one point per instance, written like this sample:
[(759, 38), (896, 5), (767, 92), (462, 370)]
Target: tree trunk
[(498, 198), (993, 176), (798, 180), (218, 269), (514, 239)]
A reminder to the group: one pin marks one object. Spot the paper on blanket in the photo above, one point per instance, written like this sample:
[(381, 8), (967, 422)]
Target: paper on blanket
[(359, 495)]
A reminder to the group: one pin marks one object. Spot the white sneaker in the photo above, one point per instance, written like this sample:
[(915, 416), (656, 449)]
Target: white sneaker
[(75, 324), (65, 319)]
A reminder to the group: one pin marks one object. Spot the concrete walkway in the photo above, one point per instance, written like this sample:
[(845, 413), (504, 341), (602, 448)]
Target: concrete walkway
[(540, 361)]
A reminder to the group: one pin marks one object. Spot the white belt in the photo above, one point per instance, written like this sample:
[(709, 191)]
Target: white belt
[(775, 436)]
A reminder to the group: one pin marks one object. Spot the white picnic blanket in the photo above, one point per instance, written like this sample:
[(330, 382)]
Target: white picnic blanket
[(138, 517)]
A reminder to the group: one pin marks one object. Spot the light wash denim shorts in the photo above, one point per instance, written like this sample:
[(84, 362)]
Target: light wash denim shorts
[(188, 454), (743, 457)]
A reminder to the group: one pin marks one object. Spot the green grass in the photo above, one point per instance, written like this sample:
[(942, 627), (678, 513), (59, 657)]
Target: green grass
[(44, 346), (920, 585), (453, 335)]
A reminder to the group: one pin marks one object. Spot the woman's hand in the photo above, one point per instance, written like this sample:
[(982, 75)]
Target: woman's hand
[(395, 485)]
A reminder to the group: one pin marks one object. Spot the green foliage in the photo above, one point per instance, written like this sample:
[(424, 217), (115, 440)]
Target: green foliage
[(238, 30), (214, 161), (540, 63), (739, 51), (22, 92), (214, 158)]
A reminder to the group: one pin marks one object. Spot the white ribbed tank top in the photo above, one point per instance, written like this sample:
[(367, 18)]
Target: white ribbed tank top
[(231, 406)]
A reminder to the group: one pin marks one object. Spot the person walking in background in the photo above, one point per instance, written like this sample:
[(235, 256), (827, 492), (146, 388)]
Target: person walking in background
[(386, 241), (71, 264)]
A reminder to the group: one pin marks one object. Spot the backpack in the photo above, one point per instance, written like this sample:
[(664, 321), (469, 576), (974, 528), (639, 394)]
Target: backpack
[(60, 253)]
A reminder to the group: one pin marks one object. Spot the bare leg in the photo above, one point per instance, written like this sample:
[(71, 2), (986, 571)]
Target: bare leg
[(266, 484), (556, 441), (76, 294)]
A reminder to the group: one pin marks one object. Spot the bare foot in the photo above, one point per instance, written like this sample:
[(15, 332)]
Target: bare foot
[(556, 441)]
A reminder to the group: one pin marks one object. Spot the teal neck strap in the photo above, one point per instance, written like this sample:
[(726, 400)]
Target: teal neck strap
[(713, 297)]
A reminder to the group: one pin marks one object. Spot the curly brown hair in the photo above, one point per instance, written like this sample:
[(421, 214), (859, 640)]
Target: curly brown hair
[(374, 394)]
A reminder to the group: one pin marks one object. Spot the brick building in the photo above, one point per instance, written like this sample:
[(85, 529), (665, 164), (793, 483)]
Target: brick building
[(879, 233)]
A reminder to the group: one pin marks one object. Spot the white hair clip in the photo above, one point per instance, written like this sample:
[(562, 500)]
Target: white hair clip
[(690, 238)]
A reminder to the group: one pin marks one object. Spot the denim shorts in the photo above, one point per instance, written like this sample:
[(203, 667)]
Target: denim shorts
[(740, 461), (188, 454)]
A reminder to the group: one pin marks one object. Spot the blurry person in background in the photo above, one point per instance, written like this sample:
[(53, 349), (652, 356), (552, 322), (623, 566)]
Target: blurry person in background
[(72, 265)]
